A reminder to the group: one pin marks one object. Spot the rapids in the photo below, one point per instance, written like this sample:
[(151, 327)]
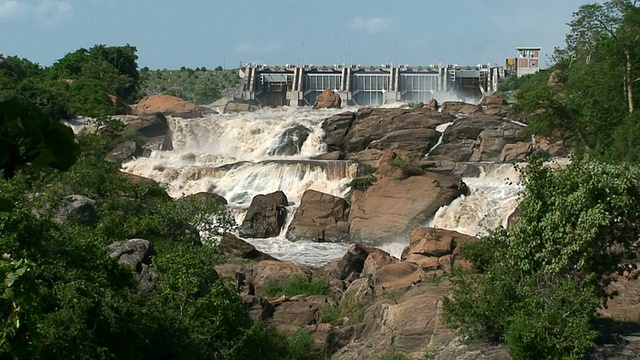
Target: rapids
[(229, 154)]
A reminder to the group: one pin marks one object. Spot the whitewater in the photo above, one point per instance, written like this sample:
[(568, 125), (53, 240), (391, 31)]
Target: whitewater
[(229, 154)]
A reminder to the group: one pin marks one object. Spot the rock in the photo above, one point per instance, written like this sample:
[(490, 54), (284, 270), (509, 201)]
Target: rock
[(233, 247), (359, 294), (449, 167), (514, 217), (431, 248), (555, 78), (376, 261), (258, 307), (291, 141), (133, 252), (405, 130), (401, 275), (496, 110), (78, 209), (553, 146), (459, 107), (370, 158), (328, 99), (165, 104), (321, 217), (515, 152), (352, 262), (432, 105), (239, 105), (493, 100), (275, 271), (334, 155), (206, 197), (266, 216), (335, 129), (389, 209), (290, 315), (125, 151)]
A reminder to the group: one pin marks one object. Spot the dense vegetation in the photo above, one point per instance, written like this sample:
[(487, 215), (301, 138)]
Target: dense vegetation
[(537, 286), (64, 297), (91, 82), (198, 85)]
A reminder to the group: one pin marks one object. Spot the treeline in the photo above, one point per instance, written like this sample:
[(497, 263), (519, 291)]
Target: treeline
[(94, 82), (199, 85), (538, 285)]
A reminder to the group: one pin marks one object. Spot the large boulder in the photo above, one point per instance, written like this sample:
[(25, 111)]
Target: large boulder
[(435, 249), (144, 135), (78, 209), (389, 209), (165, 104), (493, 100), (291, 141), (459, 107), (407, 130), (132, 252), (125, 151), (328, 99), (481, 138), (233, 247), (237, 105), (266, 216), (336, 129), (204, 197), (321, 217)]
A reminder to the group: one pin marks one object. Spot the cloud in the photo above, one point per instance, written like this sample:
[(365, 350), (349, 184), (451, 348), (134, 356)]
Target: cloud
[(52, 13), (259, 48), (371, 25), (43, 12), (12, 10)]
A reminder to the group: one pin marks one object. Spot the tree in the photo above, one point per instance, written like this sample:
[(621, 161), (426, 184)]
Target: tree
[(537, 286), (28, 136), (617, 20)]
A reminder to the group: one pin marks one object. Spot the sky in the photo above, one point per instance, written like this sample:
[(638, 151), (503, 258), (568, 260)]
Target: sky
[(195, 33)]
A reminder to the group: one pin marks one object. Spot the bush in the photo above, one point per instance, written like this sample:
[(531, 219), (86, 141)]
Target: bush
[(363, 183), (537, 286)]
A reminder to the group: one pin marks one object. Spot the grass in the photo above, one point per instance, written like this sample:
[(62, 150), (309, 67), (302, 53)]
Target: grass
[(362, 183), (297, 285)]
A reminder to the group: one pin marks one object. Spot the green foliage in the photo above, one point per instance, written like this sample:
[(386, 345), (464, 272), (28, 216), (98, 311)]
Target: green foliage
[(297, 285), (261, 342), (201, 87), (28, 136), (537, 286), (418, 105), (402, 162), (362, 183)]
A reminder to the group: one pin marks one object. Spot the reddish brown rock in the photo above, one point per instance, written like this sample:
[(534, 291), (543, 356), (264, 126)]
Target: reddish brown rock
[(321, 217), (389, 209), (266, 216), (493, 100), (165, 104), (328, 99), (515, 152)]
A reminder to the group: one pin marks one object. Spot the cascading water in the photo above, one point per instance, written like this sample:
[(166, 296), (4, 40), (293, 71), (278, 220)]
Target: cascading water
[(233, 155)]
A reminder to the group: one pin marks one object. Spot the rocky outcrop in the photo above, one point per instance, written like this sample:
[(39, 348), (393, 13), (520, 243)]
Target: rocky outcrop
[(236, 105), (146, 134), (389, 209), (206, 197), (408, 130), (291, 141), (328, 99), (168, 105), (459, 107), (266, 216), (515, 152), (78, 209), (489, 100), (136, 253), (336, 129), (234, 248), (321, 217), (434, 249), (479, 138), (432, 105)]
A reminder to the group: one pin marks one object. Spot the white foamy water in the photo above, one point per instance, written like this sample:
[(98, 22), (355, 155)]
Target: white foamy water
[(493, 196), (229, 154)]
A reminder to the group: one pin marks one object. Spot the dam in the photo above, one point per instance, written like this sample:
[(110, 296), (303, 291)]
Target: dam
[(358, 85)]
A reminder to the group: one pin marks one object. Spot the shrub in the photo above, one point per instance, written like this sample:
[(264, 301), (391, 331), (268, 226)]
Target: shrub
[(362, 183)]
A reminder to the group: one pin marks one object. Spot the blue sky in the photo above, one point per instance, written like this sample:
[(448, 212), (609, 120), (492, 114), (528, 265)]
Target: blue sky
[(195, 33)]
